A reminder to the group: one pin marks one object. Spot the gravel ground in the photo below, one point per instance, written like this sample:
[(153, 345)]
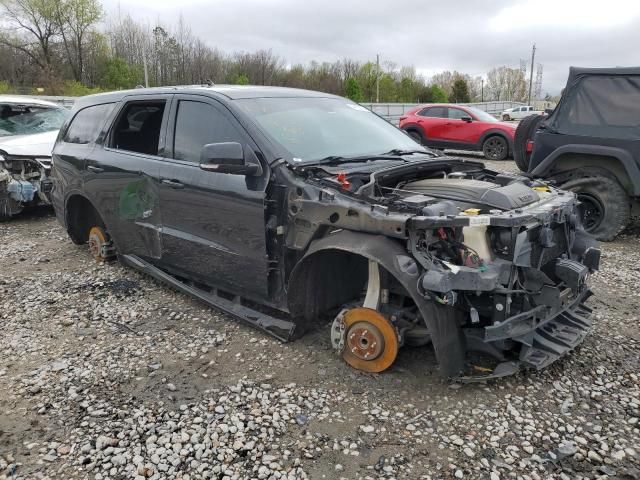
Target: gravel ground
[(106, 374)]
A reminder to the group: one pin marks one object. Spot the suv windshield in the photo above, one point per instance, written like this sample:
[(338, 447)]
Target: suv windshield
[(21, 119), (315, 128), (482, 115)]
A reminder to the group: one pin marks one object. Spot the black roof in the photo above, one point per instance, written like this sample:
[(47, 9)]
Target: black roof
[(576, 73), (231, 92)]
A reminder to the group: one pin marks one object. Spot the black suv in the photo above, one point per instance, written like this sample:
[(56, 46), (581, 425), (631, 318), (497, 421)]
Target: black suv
[(590, 144), (288, 208)]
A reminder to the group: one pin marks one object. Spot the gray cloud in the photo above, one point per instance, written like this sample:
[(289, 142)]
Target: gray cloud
[(466, 35)]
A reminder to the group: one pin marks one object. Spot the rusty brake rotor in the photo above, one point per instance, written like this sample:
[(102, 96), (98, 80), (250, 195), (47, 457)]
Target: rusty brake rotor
[(370, 340)]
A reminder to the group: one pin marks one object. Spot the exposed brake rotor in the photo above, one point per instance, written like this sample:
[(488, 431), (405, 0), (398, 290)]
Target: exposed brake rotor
[(100, 247), (367, 340)]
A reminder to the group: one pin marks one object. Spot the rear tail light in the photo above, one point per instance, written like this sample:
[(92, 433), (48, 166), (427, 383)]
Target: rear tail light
[(529, 146), (403, 118)]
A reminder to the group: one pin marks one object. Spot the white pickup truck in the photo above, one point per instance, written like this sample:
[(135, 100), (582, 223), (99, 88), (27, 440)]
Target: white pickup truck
[(518, 113)]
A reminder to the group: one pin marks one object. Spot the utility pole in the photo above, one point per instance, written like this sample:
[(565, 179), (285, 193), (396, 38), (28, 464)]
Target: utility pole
[(377, 78), (533, 57), (482, 89), (144, 62)]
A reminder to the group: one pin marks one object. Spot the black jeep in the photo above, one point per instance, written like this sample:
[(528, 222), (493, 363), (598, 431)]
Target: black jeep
[(590, 144), (288, 208)]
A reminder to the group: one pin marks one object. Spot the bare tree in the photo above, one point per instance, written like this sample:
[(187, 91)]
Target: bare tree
[(504, 83), (76, 18), (32, 27)]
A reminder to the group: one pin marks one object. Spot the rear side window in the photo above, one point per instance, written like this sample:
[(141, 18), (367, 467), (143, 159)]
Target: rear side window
[(437, 112), (198, 124), (86, 125), (138, 127)]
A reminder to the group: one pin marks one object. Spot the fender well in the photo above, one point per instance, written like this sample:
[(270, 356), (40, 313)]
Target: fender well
[(80, 216), (615, 162), (334, 271), (496, 132)]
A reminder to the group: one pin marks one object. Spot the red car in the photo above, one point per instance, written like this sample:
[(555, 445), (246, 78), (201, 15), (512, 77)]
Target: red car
[(461, 128)]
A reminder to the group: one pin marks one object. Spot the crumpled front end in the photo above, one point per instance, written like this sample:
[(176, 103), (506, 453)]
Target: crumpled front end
[(517, 279), (23, 182)]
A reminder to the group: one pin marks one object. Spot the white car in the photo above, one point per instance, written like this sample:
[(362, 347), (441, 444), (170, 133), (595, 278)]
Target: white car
[(28, 129), (518, 113)]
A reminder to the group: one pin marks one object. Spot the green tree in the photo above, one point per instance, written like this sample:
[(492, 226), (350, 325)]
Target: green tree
[(32, 29), (438, 94), (409, 90), (460, 91), (118, 74), (241, 79), (387, 86), (77, 89), (76, 19), (352, 90)]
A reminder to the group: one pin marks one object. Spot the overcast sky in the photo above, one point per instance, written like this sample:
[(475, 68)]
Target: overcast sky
[(470, 36)]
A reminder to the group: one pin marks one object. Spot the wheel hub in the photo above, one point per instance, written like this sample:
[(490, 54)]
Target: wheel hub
[(591, 210), (100, 246), (367, 340)]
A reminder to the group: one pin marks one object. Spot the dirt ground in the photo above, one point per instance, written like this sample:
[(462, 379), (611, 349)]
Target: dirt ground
[(107, 374)]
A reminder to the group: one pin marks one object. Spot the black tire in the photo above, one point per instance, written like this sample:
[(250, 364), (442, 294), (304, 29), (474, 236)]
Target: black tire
[(526, 131), (416, 136), (506, 118), (495, 148), (604, 206)]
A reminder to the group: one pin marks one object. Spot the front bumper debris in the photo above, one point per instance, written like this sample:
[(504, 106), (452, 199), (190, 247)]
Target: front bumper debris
[(545, 334)]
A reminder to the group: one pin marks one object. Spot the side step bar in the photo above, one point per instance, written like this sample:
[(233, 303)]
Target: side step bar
[(281, 329)]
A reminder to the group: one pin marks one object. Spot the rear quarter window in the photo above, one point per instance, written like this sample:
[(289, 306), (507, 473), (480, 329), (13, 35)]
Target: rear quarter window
[(86, 124)]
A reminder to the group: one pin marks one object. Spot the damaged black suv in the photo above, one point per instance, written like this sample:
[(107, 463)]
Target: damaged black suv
[(288, 208)]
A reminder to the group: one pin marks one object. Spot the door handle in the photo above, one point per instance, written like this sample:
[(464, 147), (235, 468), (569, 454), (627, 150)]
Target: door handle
[(172, 183), (95, 169)]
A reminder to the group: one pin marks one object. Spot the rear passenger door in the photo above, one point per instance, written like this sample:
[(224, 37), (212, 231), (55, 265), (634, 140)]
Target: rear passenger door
[(434, 123), (73, 148), (122, 176), (213, 224)]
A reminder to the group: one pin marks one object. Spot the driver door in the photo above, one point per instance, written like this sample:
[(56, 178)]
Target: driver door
[(213, 227)]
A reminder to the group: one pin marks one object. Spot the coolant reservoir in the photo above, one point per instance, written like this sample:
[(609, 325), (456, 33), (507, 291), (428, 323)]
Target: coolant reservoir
[(476, 238)]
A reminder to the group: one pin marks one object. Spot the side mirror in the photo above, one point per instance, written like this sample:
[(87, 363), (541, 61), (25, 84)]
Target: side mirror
[(467, 119), (231, 158)]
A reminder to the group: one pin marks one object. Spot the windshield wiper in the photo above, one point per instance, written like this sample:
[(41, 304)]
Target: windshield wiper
[(337, 159), (399, 151)]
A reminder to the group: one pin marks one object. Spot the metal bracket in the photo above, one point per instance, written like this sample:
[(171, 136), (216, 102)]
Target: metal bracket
[(339, 332)]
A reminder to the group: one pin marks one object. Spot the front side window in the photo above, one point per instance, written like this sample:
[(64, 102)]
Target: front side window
[(138, 127), (481, 115), (25, 119), (457, 114), (86, 124), (198, 124)]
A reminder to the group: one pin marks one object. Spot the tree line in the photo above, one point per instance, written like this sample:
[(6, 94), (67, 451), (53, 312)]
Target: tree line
[(71, 47)]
